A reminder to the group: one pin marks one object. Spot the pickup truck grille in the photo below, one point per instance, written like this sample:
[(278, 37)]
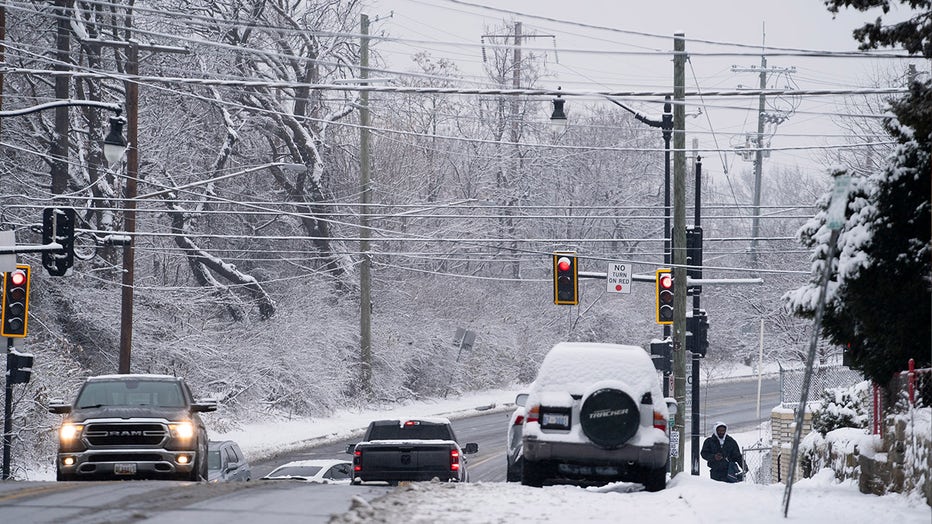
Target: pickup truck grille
[(110, 434)]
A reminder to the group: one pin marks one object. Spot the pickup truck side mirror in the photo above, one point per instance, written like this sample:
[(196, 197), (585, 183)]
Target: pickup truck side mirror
[(350, 448), (59, 406), (471, 447), (204, 405)]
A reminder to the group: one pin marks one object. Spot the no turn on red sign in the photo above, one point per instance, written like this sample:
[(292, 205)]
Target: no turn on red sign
[(618, 278)]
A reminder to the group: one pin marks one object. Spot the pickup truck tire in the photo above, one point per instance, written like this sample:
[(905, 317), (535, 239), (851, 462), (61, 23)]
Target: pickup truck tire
[(199, 472), (609, 417), (63, 477), (533, 473)]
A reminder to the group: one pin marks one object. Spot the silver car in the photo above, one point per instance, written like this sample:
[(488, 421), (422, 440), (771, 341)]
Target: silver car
[(514, 450), (226, 463)]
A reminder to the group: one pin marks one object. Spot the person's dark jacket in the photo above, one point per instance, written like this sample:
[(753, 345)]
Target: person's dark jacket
[(719, 454)]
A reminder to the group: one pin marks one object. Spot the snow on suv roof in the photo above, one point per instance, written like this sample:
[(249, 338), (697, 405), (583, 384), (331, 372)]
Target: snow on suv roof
[(574, 366)]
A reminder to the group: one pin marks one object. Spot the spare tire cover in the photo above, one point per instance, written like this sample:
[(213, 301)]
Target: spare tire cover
[(609, 417)]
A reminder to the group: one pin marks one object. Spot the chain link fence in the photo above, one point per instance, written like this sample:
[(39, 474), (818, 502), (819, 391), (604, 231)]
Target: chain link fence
[(823, 377), (759, 462)]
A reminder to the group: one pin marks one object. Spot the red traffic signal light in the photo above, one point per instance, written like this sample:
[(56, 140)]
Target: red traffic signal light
[(565, 279), (664, 296), (15, 307)]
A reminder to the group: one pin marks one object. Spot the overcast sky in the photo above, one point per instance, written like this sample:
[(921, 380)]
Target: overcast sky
[(591, 59)]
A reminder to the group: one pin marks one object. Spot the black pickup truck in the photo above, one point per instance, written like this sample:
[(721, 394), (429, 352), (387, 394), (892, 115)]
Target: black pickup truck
[(410, 450)]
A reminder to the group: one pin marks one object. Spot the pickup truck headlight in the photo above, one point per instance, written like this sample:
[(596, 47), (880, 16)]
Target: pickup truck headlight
[(68, 432), (182, 430)]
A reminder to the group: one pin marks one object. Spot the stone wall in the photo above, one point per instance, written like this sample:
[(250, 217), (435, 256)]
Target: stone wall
[(901, 462)]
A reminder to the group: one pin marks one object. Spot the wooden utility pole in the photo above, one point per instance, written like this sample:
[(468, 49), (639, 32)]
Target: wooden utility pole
[(61, 144), (132, 176), (679, 241), (365, 279)]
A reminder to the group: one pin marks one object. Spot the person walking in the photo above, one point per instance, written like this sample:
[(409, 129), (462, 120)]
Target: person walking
[(718, 451)]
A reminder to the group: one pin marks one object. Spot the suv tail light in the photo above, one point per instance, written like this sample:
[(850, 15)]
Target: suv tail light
[(660, 422), (454, 460), (519, 420), (533, 414)]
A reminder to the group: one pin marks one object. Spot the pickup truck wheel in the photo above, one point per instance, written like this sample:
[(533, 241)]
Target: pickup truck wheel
[(199, 472), (63, 477), (609, 417), (532, 474)]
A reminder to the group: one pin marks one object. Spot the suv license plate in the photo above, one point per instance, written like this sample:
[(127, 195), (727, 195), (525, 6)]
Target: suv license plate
[(124, 469), (555, 419)]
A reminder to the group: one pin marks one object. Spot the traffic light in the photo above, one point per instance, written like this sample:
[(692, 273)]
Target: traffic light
[(565, 279), (664, 302), (19, 367), (697, 336), (15, 302), (661, 352), (58, 227)]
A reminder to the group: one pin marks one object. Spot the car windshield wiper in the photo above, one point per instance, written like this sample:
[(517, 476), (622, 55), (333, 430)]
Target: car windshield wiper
[(90, 406)]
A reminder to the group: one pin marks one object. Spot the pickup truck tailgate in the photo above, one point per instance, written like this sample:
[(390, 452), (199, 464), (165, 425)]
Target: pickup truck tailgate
[(405, 461)]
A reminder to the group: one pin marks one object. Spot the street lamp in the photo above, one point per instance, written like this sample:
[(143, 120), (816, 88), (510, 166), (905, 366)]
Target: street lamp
[(558, 120), (114, 143)]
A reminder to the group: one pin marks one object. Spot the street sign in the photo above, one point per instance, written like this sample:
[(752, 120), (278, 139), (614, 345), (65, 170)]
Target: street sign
[(7, 262), (835, 215), (618, 278)]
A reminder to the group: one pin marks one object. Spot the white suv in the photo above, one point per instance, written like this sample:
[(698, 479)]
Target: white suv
[(595, 413)]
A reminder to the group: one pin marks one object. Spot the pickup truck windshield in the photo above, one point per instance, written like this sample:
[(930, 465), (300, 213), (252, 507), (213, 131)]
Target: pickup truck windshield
[(413, 432), (131, 393)]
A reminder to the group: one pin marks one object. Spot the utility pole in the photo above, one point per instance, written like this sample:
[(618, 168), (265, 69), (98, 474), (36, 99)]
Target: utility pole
[(515, 136), (365, 291), (679, 240), (132, 176), (129, 215), (759, 144), (61, 144)]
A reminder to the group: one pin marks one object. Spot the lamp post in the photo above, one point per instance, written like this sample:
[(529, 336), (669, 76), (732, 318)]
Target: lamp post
[(114, 143)]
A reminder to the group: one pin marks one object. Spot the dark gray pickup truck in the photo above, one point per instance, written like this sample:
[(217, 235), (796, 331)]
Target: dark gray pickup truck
[(410, 450), (132, 426)]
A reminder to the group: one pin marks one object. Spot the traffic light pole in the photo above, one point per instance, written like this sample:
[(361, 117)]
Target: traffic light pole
[(694, 443), (7, 413)]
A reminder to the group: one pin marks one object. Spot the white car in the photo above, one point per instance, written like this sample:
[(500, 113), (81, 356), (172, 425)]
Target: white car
[(320, 471), (596, 414)]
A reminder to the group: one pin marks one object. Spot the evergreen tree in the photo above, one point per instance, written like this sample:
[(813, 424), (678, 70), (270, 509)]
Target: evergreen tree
[(880, 301)]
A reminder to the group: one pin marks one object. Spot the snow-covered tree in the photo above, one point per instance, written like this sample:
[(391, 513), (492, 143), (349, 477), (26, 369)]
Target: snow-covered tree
[(879, 302)]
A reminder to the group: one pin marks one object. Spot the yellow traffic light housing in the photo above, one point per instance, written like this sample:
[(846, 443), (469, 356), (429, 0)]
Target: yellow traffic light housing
[(15, 307), (664, 296), (565, 279)]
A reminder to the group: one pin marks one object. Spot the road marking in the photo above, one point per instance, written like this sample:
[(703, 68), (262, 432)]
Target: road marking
[(37, 490)]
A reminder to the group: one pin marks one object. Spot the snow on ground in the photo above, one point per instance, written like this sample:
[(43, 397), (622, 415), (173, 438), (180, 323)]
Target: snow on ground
[(687, 498)]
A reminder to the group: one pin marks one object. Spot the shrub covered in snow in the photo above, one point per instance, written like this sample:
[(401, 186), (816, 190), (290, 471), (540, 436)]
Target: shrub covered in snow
[(847, 407)]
